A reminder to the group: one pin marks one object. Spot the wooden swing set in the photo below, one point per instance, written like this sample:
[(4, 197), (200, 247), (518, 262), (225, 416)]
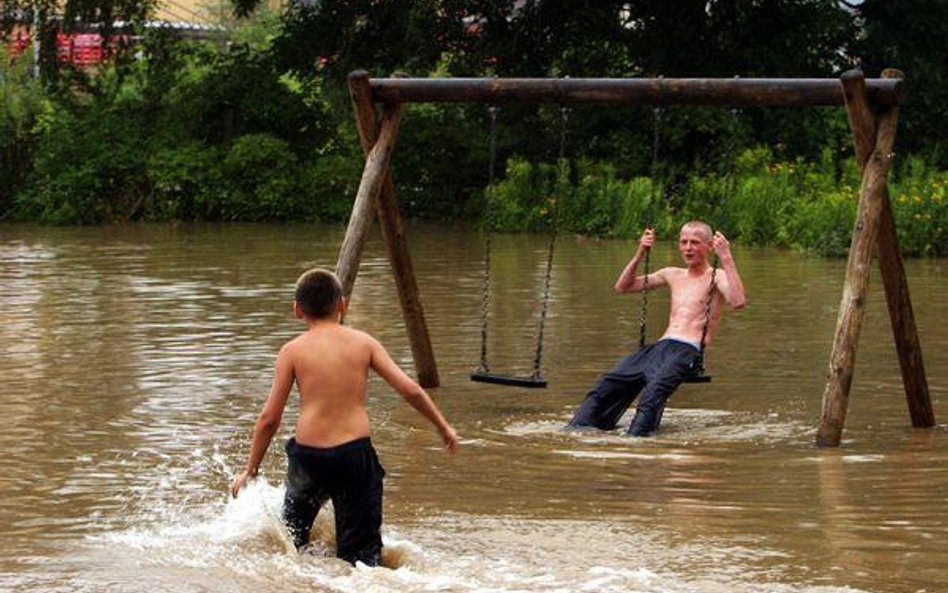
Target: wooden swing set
[(872, 107)]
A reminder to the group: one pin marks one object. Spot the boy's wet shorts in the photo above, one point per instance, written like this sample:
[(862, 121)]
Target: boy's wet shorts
[(351, 476)]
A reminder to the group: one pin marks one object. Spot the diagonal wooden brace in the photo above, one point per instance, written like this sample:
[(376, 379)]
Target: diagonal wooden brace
[(373, 178), (386, 205)]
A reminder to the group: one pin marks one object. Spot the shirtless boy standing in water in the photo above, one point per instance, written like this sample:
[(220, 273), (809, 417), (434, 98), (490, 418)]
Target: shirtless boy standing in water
[(331, 455), (658, 369)]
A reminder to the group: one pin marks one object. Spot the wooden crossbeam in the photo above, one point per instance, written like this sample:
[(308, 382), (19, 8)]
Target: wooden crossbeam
[(733, 92)]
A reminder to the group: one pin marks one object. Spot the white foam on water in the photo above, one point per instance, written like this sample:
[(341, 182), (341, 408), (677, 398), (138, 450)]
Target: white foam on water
[(253, 518), (235, 545), (242, 546), (679, 426), (621, 455), (866, 458)]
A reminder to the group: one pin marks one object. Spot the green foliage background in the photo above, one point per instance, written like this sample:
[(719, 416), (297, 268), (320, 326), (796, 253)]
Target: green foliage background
[(260, 128)]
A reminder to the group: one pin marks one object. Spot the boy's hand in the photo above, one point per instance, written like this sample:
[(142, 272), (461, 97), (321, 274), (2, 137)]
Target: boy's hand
[(450, 439), (239, 481), (648, 238), (720, 245)]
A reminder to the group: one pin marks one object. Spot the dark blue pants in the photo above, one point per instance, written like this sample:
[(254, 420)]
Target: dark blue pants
[(351, 475), (656, 370)]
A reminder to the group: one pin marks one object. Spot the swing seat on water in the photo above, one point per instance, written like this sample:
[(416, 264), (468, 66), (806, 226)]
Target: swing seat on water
[(529, 381)]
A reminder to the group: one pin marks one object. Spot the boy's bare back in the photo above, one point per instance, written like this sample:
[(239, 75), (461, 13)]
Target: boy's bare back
[(330, 365)]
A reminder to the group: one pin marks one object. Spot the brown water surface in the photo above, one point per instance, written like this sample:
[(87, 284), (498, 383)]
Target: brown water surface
[(134, 362)]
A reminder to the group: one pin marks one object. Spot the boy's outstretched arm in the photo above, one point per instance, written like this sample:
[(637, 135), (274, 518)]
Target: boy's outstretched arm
[(413, 393), (268, 421)]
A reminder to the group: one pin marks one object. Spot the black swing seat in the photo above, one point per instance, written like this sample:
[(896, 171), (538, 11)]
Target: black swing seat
[(529, 381), (697, 374), (698, 378)]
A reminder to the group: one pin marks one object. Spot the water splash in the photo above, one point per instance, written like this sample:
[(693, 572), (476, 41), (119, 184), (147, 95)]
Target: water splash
[(244, 547)]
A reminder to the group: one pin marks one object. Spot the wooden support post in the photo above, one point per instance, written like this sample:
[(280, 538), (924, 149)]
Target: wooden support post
[(872, 197), (903, 323), (394, 235), (901, 316), (360, 220)]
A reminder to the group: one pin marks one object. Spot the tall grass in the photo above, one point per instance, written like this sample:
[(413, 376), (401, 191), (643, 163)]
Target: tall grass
[(803, 205)]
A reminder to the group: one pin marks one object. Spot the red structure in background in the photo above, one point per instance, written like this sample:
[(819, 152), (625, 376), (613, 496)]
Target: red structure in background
[(85, 49), (78, 49)]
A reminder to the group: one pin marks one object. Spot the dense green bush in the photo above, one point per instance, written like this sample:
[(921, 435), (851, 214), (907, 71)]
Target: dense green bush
[(440, 160), (186, 132), (603, 204), (198, 131), (823, 224), (809, 206), (90, 156), (329, 182), (519, 202), (187, 182), (21, 101), (260, 173)]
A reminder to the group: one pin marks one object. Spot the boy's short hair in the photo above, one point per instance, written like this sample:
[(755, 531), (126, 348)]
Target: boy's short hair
[(701, 225), (317, 292)]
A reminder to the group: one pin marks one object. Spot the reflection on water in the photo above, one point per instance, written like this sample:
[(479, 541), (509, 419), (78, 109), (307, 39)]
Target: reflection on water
[(136, 359)]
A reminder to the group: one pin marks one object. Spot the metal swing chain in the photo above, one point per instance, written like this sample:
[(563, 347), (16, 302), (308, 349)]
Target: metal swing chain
[(699, 364), (644, 315), (732, 147), (484, 367), (657, 113), (554, 214)]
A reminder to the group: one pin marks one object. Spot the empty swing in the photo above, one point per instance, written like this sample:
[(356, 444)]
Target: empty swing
[(483, 373)]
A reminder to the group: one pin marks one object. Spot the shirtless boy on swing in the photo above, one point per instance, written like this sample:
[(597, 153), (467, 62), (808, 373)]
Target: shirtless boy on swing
[(659, 368), (330, 455)]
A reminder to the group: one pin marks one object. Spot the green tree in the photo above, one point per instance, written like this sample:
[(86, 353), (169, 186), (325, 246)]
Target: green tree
[(910, 35), (332, 37), (21, 102)]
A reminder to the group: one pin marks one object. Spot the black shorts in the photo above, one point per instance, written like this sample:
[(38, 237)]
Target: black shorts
[(351, 476)]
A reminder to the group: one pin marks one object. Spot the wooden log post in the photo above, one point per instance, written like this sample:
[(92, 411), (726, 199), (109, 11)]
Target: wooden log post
[(872, 196), (395, 240), (901, 316), (360, 220)]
